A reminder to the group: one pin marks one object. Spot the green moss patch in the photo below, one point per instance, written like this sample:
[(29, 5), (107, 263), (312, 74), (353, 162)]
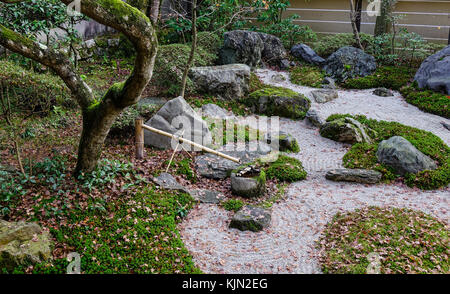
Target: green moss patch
[(397, 241), (390, 77), (233, 205), (305, 75), (286, 169), (428, 101), (363, 155)]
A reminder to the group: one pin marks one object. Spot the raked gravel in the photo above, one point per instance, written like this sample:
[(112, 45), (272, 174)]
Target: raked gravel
[(288, 245)]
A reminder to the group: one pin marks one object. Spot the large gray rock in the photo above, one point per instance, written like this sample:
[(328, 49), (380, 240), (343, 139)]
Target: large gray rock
[(252, 48), (403, 157), (346, 130), (214, 111), (251, 218), (23, 243), (354, 175), (324, 95), (349, 62), (168, 182), (175, 117), (229, 81), (304, 52), (434, 73)]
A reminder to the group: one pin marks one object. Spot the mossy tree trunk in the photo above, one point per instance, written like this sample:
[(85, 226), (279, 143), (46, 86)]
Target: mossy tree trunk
[(98, 114), (193, 48)]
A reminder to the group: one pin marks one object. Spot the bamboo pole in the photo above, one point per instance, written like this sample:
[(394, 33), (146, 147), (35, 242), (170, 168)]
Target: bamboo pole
[(183, 140), (139, 122)]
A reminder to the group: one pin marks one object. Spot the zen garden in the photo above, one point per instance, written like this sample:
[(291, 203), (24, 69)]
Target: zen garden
[(223, 137)]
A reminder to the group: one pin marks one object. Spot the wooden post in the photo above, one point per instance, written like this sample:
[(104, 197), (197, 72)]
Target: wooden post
[(139, 138)]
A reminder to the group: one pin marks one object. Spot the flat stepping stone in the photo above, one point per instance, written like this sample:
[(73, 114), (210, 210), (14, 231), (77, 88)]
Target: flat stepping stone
[(324, 95), (364, 176), (167, 181), (207, 196), (251, 218), (383, 92)]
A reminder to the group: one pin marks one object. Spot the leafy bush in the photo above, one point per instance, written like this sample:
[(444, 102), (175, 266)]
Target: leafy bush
[(233, 205), (329, 44), (210, 42), (286, 169), (170, 63), (428, 101), (363, 155), (385, 76), (31, 92), (306, 75), (407, 241)]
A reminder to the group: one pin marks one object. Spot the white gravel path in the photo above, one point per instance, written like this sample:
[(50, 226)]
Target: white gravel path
[(288, 245)]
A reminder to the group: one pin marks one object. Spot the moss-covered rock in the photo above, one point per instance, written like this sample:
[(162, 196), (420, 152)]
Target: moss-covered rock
[(248, 181), (346, 130), (279, 101)]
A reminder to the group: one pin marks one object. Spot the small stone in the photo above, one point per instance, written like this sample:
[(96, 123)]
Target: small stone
[(286, 142), (207, 196), (354, 175), (248, 183), (346, 130), (329, 83), (167, 181), (313, 117), (383, 92), (446, 125), (278, 78), (324, 95), (251, 218)]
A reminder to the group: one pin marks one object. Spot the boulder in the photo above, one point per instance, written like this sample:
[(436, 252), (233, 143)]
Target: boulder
[(354, 175), (175, 117), (403, 157), (207, 196), (324, 95), (215, 167), (241, 47), (305, 53), (313, 117), (383, 92), (214, 111), (273, 52), (286, 142), (280, 102), (346, 130), (229, 82), (23, 244), (251, 218), (349, 62), (248, 182), (434, 73), (251, 48)]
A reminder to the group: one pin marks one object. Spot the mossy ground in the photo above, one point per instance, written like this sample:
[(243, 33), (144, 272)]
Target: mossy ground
[(390, 77), (428, 101), (286, 169), (406, 241), (363, 155), (307, 75)]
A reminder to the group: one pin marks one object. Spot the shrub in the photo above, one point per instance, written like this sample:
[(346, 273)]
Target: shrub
[(427, 100), (363, 155), (306, 75), (210, 42), (170, 63), (233, 205), (32, 92), (386, 76), (286, 169), (407, 241), (327, 45)]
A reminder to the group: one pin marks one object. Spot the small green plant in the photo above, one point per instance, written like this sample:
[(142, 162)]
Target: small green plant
[(105, 173), (286, 169), (233, 205), (184, 168)]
